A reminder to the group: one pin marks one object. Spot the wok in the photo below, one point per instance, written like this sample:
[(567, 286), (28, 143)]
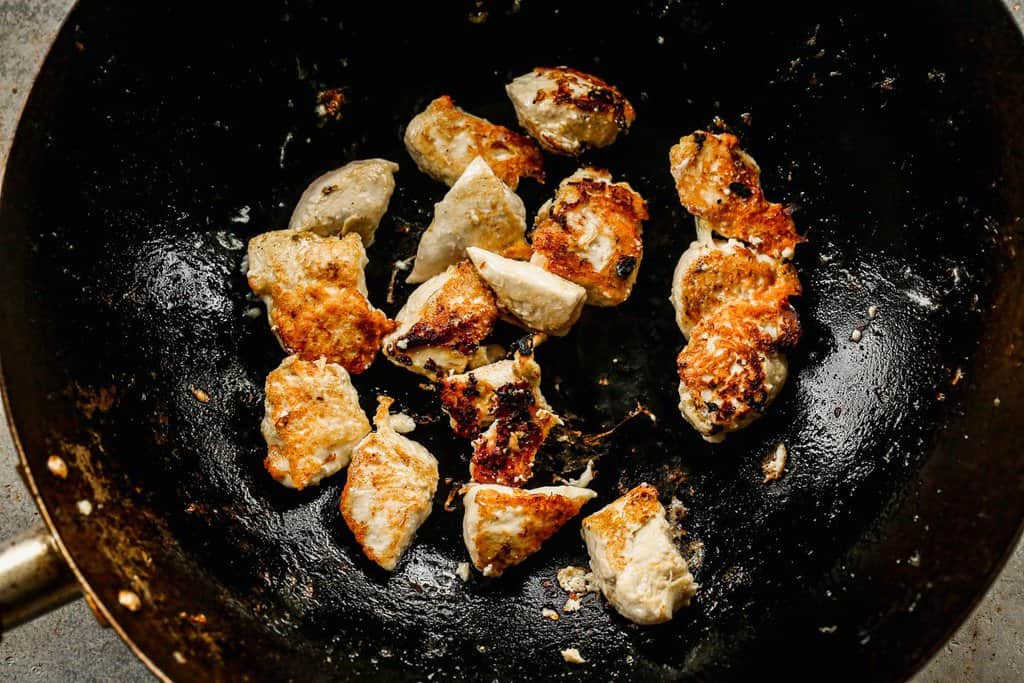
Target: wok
[(159, 138)]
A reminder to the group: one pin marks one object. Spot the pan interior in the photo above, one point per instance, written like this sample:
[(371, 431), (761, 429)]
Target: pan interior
[(162, 138)]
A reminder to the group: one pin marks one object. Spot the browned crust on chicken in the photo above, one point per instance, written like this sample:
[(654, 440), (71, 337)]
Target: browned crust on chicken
[(316, 307), (337, 325), (727, 356), (620, 210), (505, 453), (509, 154), (459, 316), (757, 289), (721, 185), (602, 97), (618, 524), (309, 407), (542, 516), (460, 401)]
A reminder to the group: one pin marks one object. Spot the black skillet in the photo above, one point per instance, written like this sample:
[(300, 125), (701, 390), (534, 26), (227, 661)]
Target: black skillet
[(894, 128)]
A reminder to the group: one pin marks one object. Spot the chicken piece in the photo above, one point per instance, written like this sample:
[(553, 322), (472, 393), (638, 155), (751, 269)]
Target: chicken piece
[(503, 526), (311, 421), (443, 140), (728, 376), (315, 291), (471, 399), (590, 234), (721, 185), (504, 454), (711, 275), (389, 491), (635, 563), (533, 297), (568, 111), (443, 324), (352, 198), (479, 211)]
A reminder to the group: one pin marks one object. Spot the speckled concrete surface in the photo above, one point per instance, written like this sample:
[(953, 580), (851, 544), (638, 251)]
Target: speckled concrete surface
[(69, 645)]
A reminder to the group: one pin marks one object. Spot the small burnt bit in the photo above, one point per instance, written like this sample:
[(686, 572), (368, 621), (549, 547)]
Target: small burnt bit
[(625, 266), (740, 190)]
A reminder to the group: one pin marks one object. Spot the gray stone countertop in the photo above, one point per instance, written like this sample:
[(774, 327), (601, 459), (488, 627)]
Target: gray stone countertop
[(69, 644)]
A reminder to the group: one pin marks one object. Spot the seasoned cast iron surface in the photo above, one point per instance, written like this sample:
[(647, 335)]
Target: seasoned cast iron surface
[(173, 134)]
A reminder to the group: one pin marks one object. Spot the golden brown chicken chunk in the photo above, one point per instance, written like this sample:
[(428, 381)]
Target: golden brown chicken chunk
[(590, 234), (315, 292), (721, 185), (728, 375), (568, 111), (443, 140), (389, 491), (504, 454), (712, 275), (442, 327), (635, 563), (503, 526), (312, 421), (471, 399)]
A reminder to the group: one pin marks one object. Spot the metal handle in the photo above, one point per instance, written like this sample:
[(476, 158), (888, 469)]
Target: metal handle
[(34, 578)]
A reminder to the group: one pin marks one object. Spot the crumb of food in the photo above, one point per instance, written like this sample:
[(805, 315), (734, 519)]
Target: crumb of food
[(200, 395), (329, 103), (178, 657), (57, 466), (571, 605), (84, 507), (573, 656), (872, 312), (828, 629), (462, 571), (915, 559), (957, 376), (676, 511), (856, 335), (549, 613), (576, 580), (996, 402), (129, 600), (242, 216), (585, 477), (774, 463)]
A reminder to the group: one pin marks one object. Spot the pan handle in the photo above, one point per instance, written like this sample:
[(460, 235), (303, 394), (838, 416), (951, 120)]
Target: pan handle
[(34, 578)]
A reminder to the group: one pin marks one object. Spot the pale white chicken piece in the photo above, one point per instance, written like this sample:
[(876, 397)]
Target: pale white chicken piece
[(315, 291), (312, 421), (728, 374), (635, 563), (503, 526), (389, 491), (443, 140), (568, 111), (479, 211), (442, 327), (352, 198), (713, 277), (591, 234), (471, 399), (532, 296)]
